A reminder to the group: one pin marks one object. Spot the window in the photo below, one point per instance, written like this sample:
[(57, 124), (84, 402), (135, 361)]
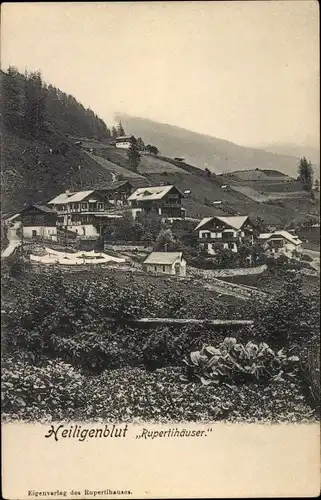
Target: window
[(230, 246), (155, 268), (164, 269)]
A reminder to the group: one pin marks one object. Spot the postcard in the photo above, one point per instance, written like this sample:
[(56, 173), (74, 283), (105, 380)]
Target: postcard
[(160, 250)]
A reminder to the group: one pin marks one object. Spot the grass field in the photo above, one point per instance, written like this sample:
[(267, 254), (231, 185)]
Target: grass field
[(110, 166), (272, 283)]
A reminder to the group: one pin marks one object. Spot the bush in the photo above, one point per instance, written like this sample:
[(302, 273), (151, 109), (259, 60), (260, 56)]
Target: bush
[(289, 317), (16, 265), (231, 361), (52, 390)]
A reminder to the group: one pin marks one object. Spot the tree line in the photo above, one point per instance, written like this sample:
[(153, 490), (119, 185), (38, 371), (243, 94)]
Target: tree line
[(29, 105)]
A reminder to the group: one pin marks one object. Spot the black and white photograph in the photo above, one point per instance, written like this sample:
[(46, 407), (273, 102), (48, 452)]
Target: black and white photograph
[(160, 217)]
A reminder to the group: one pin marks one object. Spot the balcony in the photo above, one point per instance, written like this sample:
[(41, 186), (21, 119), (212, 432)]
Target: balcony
[(224, 239), (171, 205), (87, 210)]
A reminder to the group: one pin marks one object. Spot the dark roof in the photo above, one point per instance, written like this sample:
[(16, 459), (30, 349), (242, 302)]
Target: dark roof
[(123, 137), (42, 208), (114, 185)]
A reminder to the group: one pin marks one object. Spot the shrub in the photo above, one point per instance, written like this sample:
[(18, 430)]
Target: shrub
[(53, 390), (289, 317), (234, 362)]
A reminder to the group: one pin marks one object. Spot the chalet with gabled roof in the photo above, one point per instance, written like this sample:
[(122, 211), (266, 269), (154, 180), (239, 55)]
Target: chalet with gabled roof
[(166, 263), (281, 243), (83, 212), (166, 201), (224, 233), (117, 193), (39, 221)]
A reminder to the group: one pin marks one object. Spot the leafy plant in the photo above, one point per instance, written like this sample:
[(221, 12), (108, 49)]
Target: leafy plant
[(233, 361), (51, 390)]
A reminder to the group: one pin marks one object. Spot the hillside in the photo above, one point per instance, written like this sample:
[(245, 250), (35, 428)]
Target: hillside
[(239, 198), (205, 151), (41, 157), (30, 173), (38, 160)]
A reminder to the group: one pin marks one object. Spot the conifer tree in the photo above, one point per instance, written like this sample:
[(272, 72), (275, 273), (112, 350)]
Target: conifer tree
[(133, 154), (305, 171), (120, 130)]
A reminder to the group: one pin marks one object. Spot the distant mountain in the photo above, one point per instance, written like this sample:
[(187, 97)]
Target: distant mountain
[(205, 151), (310, 152)]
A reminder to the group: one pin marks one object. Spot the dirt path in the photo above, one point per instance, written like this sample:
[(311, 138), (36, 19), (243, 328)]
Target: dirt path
[(14, 241)]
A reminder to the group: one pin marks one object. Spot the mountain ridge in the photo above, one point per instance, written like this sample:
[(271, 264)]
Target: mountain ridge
[(205, 151)]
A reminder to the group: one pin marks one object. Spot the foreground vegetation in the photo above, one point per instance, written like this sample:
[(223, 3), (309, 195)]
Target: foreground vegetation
[(63, 358)]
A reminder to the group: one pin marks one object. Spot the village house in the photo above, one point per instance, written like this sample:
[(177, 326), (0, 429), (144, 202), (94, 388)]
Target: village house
[(281, 243), (117, 193), (123, 142), (38, 221), (224, 233), (163, 200), (166, 263), (83, 212)]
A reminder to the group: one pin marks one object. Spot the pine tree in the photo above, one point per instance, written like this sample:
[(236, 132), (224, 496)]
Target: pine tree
[(11, 100), (114, 132), (120, 130), (305, 171), (34, 103), (133, 154)]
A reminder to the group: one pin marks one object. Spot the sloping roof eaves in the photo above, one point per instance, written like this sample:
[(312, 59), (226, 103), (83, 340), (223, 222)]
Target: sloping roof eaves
[(42, 208), (236, 222), (281, 234), (113, 186), (163, 258), (203, 222), (64, 198), (156, 193)]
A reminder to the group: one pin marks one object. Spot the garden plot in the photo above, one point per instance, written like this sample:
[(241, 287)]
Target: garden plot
[(64, 360)]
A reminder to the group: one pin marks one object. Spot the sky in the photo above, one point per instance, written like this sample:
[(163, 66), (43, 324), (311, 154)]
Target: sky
[(243, 71)]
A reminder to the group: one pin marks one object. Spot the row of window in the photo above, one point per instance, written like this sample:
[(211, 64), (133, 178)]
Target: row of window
[(84, 206), (230, 246)]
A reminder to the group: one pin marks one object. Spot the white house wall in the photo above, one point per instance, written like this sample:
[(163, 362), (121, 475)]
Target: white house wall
[(135, 211), (168, 269), (84, 229), (49, 232)]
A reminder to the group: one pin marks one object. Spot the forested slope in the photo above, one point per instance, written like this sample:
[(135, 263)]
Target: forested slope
[(38, 160)]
